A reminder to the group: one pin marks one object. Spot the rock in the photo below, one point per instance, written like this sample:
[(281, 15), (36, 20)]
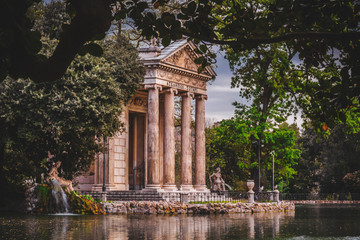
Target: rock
[(229, 206), (182, 211), (223, 211), (122, 210), (152, 210), (203, 209), (140, 210), (231, 210)]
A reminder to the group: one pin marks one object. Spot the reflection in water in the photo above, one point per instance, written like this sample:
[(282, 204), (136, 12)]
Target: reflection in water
[(308, 221)]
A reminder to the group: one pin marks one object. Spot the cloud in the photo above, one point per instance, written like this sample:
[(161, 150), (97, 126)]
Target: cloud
[(220, 94)]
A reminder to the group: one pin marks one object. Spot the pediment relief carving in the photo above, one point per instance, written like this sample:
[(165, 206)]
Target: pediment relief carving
[(182, 59)]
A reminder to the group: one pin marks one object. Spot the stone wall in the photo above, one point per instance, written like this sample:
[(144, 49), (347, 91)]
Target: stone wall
[(325, 202), (163, 207)]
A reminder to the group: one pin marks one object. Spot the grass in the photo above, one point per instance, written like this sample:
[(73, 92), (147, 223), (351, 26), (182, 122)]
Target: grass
[(206, 202)]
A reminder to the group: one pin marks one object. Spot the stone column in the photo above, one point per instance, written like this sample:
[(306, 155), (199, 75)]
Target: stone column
[(186, 166), (200, 162), (153, 166), (169, 141)]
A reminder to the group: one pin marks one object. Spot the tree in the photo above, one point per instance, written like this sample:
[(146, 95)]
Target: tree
[(231, 147), (241, 25), (327, 165), (45, 123), (20, 45), (312, 31), (266, 77)]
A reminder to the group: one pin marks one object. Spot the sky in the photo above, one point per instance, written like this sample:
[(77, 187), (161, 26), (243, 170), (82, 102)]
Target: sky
[(220, 94)]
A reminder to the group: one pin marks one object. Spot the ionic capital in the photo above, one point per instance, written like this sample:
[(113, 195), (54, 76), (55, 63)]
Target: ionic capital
[(187, 94), (153, 86), (170, 90), (201, 96)]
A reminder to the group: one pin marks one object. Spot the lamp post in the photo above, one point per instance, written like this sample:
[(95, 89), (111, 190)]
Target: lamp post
[(259, 146), (273, 156), (258, 142), (104, 187)]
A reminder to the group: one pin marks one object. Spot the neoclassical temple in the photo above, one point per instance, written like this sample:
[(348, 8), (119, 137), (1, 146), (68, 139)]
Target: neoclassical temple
[(143, 156)]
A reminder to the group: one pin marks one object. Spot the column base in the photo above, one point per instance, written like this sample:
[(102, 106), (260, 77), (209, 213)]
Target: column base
[(201, 188), (152, 188), (187, 188), (99, 187), (169, 188)]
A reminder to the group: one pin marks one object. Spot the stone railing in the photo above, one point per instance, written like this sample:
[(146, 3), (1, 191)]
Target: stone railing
[(184, 197)]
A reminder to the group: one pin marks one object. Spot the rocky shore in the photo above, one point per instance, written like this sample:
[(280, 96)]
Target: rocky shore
[(162, 207)]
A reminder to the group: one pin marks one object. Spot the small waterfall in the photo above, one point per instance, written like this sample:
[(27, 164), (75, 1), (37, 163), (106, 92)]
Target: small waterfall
[(228, 186), (60, 197)]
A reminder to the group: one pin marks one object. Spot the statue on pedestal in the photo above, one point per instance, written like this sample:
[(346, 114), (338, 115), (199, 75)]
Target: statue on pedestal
[(216, 181), (54, 175)]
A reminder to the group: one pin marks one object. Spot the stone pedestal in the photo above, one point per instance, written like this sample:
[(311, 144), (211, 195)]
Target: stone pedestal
[(103, 197), (276, 196), (251, 196)]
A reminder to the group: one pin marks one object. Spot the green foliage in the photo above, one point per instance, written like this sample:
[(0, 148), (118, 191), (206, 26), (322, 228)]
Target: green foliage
[(88, 197), (231, 147), (78, 204), (267, 77), (352, 181), (43, 193), (84, 204), (323, 35), (48, 122), (327, 165)]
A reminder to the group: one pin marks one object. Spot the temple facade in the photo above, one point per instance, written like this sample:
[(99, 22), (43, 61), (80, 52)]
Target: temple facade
[(142, 157)]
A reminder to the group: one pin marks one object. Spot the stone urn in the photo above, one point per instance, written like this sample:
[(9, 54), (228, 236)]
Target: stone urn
[(250, 184)]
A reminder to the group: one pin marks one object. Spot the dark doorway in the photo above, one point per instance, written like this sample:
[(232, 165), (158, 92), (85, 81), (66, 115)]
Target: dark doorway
[(136, 151)]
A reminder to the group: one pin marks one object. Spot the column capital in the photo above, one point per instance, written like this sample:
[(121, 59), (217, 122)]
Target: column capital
[(170, 90), (201, 96), (153, 86), (187, 94)]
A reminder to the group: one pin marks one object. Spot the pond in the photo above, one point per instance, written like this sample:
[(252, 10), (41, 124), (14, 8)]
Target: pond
[(306, 222)]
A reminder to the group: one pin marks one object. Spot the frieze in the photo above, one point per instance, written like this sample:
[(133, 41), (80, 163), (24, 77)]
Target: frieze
[(181, 87), (176, 78), (142, 102)]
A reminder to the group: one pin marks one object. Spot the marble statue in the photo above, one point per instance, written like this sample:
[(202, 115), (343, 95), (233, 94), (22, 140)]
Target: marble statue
[(216, 181), (54, 175)]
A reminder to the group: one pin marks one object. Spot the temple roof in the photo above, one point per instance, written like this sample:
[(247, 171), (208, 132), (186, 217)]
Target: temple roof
[(179, 54)]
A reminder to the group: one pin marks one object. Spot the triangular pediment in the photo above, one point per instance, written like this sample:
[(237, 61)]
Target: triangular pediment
[(184, 57)]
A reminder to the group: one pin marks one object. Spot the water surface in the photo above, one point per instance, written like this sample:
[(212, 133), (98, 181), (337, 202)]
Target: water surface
[(307, 222)]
